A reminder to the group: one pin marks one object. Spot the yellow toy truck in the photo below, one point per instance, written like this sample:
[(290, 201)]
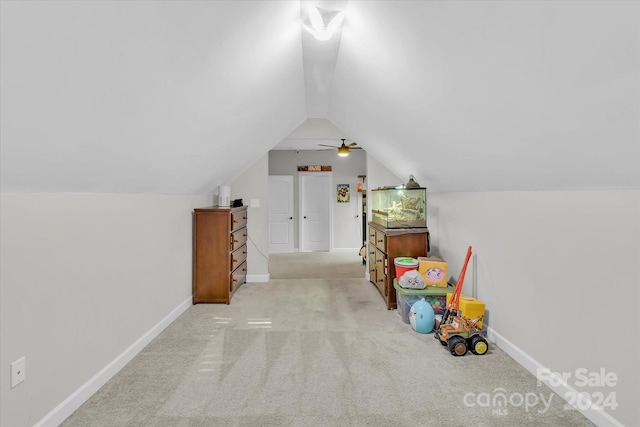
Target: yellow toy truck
[(463, 334)]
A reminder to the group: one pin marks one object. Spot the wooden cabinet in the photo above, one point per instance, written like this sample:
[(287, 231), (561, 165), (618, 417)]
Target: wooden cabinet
[(386, 244), (219, 253)]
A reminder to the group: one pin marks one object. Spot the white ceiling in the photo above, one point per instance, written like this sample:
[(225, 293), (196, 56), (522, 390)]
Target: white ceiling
[(311, 133), (178, 97), (319, 59)]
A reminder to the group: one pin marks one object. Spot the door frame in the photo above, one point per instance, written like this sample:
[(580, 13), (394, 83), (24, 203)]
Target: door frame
[(329, 182)]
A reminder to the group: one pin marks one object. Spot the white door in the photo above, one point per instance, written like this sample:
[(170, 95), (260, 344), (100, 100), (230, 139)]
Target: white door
[(281, 213), (315, 211)]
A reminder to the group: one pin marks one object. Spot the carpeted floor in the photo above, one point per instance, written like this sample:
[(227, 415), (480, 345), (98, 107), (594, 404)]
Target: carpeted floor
[(315, 347)]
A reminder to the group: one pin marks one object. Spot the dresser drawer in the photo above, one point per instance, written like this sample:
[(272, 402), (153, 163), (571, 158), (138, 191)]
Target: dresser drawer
[(381, 241), (238, 238), (372, 262), (238, 277), (381, 273), (238, 257), (238, 220)]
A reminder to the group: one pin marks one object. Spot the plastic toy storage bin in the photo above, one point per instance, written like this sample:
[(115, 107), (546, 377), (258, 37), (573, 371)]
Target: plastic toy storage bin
[(432, 294)]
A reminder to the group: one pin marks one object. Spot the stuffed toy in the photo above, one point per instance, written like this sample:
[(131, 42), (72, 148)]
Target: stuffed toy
[(412, 280)]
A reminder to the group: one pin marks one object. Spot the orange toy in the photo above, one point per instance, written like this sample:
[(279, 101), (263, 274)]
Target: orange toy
[(452, 307)]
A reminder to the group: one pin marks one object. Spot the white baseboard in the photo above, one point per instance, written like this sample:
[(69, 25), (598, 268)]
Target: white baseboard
[(258, 278), (88, 389), (595, 414)]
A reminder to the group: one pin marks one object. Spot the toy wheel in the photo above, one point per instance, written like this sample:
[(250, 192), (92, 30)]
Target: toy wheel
[(478, 345), (457, 346)]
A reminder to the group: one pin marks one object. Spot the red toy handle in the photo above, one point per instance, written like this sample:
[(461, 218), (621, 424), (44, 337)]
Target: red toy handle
[(452, 307)]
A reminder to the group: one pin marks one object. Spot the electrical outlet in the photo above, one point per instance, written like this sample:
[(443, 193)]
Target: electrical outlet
[(18, 371)]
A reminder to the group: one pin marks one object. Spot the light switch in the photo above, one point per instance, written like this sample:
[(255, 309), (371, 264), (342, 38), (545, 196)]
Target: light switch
[(255, 203)]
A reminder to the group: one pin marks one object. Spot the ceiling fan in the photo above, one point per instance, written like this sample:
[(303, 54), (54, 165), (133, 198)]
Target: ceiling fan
[(344, 149)]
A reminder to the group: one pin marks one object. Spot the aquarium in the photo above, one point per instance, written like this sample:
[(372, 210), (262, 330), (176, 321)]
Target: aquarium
[(399, 207)]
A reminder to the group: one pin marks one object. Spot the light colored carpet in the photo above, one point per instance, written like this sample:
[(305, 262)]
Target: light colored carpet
[(314, 351), (317, 265)]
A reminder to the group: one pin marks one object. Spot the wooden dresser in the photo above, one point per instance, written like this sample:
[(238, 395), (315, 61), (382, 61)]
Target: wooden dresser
[(219, 253), (386, 244)]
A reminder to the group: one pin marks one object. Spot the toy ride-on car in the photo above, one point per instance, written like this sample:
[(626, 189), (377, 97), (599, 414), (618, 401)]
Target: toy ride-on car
[(462, 334)]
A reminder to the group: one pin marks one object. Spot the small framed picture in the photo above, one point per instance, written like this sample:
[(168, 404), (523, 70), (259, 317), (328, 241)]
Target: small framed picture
[(343, 193)]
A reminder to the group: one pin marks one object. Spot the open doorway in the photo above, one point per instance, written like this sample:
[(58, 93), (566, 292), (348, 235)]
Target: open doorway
[(344, 230)]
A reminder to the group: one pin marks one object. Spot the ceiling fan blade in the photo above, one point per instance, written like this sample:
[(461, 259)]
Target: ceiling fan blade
[(355, 148), (353, 144), (324, 145)]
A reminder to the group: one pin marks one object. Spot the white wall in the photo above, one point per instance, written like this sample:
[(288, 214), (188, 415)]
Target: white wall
[(559, 273), (379, 176), (252, 184), (84, 277), (347, 220)]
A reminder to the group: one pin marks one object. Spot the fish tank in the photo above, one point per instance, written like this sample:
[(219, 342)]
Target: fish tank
[(399, 207)]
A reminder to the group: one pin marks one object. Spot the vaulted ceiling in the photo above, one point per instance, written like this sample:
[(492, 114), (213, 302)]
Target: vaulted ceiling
[(179, 97)]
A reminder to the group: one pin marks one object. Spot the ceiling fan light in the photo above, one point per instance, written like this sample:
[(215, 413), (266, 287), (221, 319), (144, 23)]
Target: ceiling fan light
[(343, 151)]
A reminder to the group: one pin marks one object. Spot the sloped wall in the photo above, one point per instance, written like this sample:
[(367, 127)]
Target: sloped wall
[(490, 96)]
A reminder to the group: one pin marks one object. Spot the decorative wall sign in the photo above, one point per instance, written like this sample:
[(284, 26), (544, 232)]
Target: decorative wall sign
[(343, 193), (314, 168)]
